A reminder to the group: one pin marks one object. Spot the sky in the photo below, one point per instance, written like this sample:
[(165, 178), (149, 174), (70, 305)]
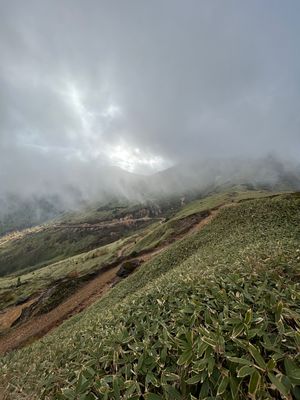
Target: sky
[(143, 85)]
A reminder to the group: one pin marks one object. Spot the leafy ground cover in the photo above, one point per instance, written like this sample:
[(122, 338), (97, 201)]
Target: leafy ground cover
[(179, 221), (217, 315)]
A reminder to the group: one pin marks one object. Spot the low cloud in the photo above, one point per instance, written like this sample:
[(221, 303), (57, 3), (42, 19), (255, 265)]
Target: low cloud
[(85, 85)]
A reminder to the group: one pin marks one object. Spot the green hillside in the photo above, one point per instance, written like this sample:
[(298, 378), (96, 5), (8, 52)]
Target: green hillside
[(72, 234), (216, 315), (33, 279)]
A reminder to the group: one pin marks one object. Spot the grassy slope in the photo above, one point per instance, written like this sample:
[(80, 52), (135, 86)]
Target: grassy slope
[(35, 281), (161, 233), (145, 239), (179, 319)]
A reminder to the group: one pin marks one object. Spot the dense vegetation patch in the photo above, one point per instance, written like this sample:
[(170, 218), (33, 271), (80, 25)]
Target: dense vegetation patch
[(216, 316)]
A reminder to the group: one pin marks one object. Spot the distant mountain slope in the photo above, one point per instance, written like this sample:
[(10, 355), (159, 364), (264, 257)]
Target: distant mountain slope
[(111, 184), (119, 190), (17, 213), (35, 206), (71, 234), (209, 175)]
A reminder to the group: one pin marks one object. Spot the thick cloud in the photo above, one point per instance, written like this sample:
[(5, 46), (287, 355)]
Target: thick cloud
[(143, 84)]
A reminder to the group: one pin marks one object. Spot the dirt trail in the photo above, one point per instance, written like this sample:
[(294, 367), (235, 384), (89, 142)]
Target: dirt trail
[(38, 326), (129, 221), (10, 314), (201, 224)]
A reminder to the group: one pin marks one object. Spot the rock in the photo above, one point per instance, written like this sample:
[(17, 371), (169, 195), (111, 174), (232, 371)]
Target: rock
[(22, 300), (128, 267)]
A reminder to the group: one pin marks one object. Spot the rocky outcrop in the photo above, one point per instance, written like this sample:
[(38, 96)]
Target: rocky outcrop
[(128, 267)]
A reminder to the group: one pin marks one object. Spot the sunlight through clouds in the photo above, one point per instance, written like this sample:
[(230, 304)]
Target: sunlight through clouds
[(134, 160)]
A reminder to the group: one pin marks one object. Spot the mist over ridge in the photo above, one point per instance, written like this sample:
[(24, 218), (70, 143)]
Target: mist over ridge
[(198, 176), (200, 90)]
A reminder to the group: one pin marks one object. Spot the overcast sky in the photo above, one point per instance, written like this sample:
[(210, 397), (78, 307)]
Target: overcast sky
[(144, 84)]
